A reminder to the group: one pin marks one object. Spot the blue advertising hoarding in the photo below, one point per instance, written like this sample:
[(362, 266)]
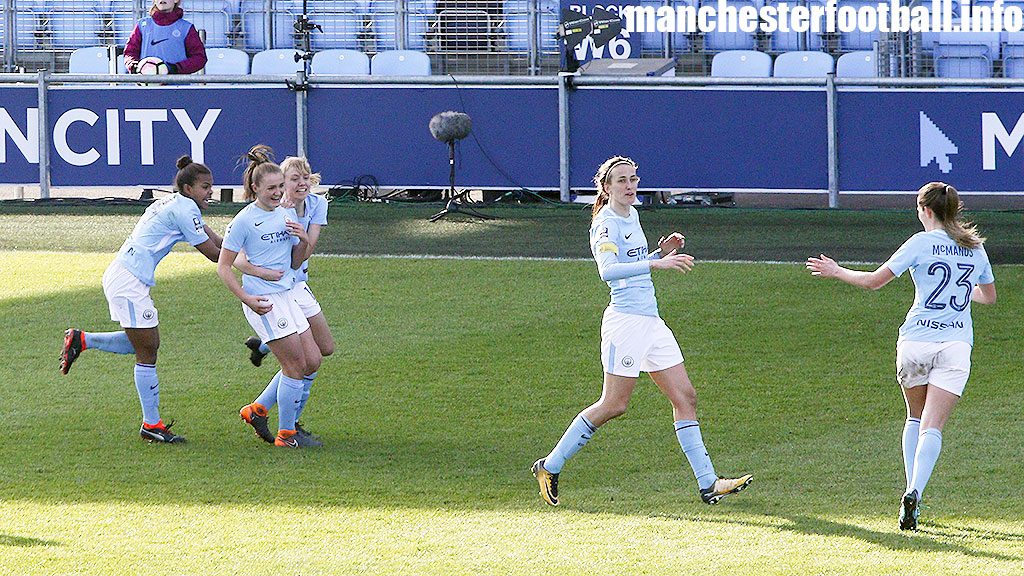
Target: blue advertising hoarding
[(704, 139), (382, 131), (897, 140), (133, 135)]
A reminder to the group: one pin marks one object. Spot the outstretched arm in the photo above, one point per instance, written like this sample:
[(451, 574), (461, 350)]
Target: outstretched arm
[(828, 268)]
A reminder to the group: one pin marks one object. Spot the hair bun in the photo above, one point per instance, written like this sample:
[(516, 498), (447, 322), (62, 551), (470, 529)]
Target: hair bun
[(260, 153), (183, 161)]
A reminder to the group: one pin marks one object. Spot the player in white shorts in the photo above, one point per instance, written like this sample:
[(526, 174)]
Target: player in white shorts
[(950, 269), (272, 238), (311, 210), (128, 279), (634, 338)]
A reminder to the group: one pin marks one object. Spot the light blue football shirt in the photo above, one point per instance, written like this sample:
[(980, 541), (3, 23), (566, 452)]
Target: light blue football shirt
[(167, 221), (266, 242), (620, 249), (944, 275), (316, 213)]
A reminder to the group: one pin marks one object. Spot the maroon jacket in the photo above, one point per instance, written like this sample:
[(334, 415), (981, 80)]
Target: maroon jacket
[(195, 52)]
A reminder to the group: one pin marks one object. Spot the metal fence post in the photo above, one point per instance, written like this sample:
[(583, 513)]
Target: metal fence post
[(401, 29), (563, 135), (833, 141), (533, 43), (301, 115), (9, 32), (44, 140)]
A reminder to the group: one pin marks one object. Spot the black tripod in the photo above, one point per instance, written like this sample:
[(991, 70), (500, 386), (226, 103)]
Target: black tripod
[(304, 26), (457, 201)]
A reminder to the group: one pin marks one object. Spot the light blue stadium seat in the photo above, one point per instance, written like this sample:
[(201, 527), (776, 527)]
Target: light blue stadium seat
[(857, 40), (279, 61), (421, 19), (347, 62), (803, 64), (342, 23), (226, 61), (717, 41), (741, 64), (788, 41), (990, 40), (254, 23), (962, 61), (91, 60), (1013, 60), (400, 63), (71, 24), (860, 64), (215, 18), (122, 18)]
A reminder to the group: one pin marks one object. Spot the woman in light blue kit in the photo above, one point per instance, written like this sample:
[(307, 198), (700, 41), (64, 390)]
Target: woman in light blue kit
[(950, 269), (273, 238), (128, 279), (312, 212), (633, 337)]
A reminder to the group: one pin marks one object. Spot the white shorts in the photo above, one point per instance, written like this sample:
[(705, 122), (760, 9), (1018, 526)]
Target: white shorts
[(631, 343), (128, 298), (943, 364), (284, 319), (303, 296)]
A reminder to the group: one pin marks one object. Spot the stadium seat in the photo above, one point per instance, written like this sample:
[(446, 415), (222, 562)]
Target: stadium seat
[(858, 40), (400, 63), (122, 19), (215, 18), (1013, 55), (717, 41), (990, 40), (348, 62), (226, 61), (804, 64), (278, 61), (342, 24), (741, 64), (516, 25), (857, 65), (71, 24), (962, 61), (788, 41), (420, 19), (91, 60)]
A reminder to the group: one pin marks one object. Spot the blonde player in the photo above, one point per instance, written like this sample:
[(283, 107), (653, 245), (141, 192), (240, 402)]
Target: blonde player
[(633, 337), (950, 269)]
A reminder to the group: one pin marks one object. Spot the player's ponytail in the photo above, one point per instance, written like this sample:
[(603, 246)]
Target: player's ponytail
[(944, 202), (188, 173), (261, 163), (601, 180)]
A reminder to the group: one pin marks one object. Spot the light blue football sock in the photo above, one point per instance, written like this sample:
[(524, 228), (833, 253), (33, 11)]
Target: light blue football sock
[(113, 342), (307, 385), (911, 430), (264, 348), (929, 444), (576, 436), (289, 396), (688, 433), (148, 386), (268, 399)]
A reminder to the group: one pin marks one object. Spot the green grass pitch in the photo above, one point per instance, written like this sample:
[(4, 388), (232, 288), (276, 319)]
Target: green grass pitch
[(450, 379)]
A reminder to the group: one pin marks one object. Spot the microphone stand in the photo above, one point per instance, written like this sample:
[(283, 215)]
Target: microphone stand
[(457, 201)]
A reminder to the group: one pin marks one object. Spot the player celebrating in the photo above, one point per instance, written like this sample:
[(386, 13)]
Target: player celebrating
[(950, 269), (272, 238), (312, 212), (633, 337), (127, 281)]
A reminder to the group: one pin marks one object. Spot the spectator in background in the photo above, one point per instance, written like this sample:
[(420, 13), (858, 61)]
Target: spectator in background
[(166, 35)]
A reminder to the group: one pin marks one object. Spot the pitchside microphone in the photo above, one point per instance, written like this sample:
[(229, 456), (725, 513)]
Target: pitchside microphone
[(450, 126)]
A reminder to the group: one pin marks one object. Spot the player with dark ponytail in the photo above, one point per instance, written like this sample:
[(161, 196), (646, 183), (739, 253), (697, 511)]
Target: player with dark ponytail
[(128, 280)]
